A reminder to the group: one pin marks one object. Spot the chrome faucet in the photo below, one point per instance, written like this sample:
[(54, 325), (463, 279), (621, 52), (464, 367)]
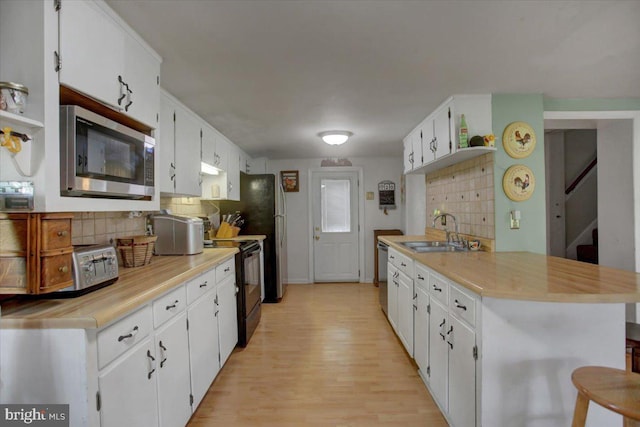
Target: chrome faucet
[(456, 237)]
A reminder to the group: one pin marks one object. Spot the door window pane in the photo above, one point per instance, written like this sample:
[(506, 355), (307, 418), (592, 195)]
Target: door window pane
[(335, 205)]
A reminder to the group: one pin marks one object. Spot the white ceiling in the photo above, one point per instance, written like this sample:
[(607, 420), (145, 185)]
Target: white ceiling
[(271, 74)]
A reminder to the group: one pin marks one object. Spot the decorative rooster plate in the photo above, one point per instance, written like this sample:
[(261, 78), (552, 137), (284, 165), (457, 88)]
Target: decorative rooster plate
[(519, 140), (518, 183)]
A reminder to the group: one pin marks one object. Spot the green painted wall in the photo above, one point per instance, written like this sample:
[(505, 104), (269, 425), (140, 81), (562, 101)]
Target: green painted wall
[(508, 108), (588, 104)]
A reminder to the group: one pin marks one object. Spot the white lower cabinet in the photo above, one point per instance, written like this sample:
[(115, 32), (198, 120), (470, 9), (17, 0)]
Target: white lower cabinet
[(405, 311), (400, 297), (128, 389), (421, 320), (203, 344), (172, 365), (462, 374), (392, 295), (435, 321), (227, 317), (438, 354)]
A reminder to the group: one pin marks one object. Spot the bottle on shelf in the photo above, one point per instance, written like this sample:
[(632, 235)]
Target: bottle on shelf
[(463, 134)]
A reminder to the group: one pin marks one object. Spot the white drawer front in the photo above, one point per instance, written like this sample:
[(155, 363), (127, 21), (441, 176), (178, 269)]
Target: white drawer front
[(122, 335), (403, 262), (200, 285), (462, 305), (167, 306), (226, 269), (421, 277), (439, 288)]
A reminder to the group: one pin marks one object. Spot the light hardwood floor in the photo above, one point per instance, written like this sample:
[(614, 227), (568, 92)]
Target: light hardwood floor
[(325, 356)]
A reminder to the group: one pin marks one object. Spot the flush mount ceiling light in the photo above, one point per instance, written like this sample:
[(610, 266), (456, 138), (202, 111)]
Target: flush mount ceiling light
[(335, 137)]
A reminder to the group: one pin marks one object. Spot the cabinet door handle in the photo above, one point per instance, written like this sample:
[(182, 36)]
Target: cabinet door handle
[(129, 93), (420, 277), (129, 335), (174, 305), (228, 269), (464, 307), (63, 269), (153, 364), (415, 296), (164, 358), (62, 233), (448, 333), (122, 93), (403, 264), (435, 288), (204, 285), (440, 326)]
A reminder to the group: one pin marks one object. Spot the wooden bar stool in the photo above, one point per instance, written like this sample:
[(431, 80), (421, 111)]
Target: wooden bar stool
[(614, 389)]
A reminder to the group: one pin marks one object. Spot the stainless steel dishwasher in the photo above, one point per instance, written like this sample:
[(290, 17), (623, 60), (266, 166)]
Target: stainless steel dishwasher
[(383, 252)]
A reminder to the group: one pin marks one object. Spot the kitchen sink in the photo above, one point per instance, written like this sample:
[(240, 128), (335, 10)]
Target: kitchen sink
[(433, 246)]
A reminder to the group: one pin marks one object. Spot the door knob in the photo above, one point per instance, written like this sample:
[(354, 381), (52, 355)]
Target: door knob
[(317, 237)]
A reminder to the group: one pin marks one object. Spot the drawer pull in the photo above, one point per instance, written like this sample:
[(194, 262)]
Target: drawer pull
[(464, 307), (153, 364), (228, 269), (63, 269), (62, 233), (174, 305), (392, 257), (420, 277), (435, 288), (203, 285), (129, 335), (403, 264)]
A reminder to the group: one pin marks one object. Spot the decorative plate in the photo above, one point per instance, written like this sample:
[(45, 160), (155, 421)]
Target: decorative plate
[(519, 140), (518, 183)]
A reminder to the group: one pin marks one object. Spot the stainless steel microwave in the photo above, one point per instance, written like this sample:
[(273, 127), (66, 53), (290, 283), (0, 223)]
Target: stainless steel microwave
[(102, 158)]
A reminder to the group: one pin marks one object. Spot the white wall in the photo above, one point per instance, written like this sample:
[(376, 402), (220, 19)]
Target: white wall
[(415, 209), (374, 171)]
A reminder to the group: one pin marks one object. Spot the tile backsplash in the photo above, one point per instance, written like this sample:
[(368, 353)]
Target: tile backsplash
[(464, 190), (93, 228), (89, 228)]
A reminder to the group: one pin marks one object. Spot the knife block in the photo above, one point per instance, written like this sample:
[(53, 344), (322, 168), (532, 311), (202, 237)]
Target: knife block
[(226, 231)]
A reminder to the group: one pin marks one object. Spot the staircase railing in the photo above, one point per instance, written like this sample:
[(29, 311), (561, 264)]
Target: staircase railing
[(580, 177)]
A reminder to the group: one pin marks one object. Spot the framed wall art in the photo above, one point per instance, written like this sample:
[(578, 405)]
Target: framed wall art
[(290, 182), (519, 140), (518, 183)]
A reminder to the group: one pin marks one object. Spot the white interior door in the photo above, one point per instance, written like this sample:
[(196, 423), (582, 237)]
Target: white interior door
[(335, 225)]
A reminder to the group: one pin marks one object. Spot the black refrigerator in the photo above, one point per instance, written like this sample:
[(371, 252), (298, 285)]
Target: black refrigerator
[(263, 207)]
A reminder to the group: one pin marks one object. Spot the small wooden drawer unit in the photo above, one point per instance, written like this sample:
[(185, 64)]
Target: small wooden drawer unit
[(462, 305), (439, 288), (167, 306), (123, 334), (35, 252), (200, 285)]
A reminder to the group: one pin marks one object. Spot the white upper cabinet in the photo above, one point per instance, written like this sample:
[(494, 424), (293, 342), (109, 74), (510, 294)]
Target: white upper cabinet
[(179, 148), (91, 51), (142, 74), (100, 58), (437, 135)]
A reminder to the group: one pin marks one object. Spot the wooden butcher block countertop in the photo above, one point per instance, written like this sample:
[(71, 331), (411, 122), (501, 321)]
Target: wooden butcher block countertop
[(527, 276), (134, 288)]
